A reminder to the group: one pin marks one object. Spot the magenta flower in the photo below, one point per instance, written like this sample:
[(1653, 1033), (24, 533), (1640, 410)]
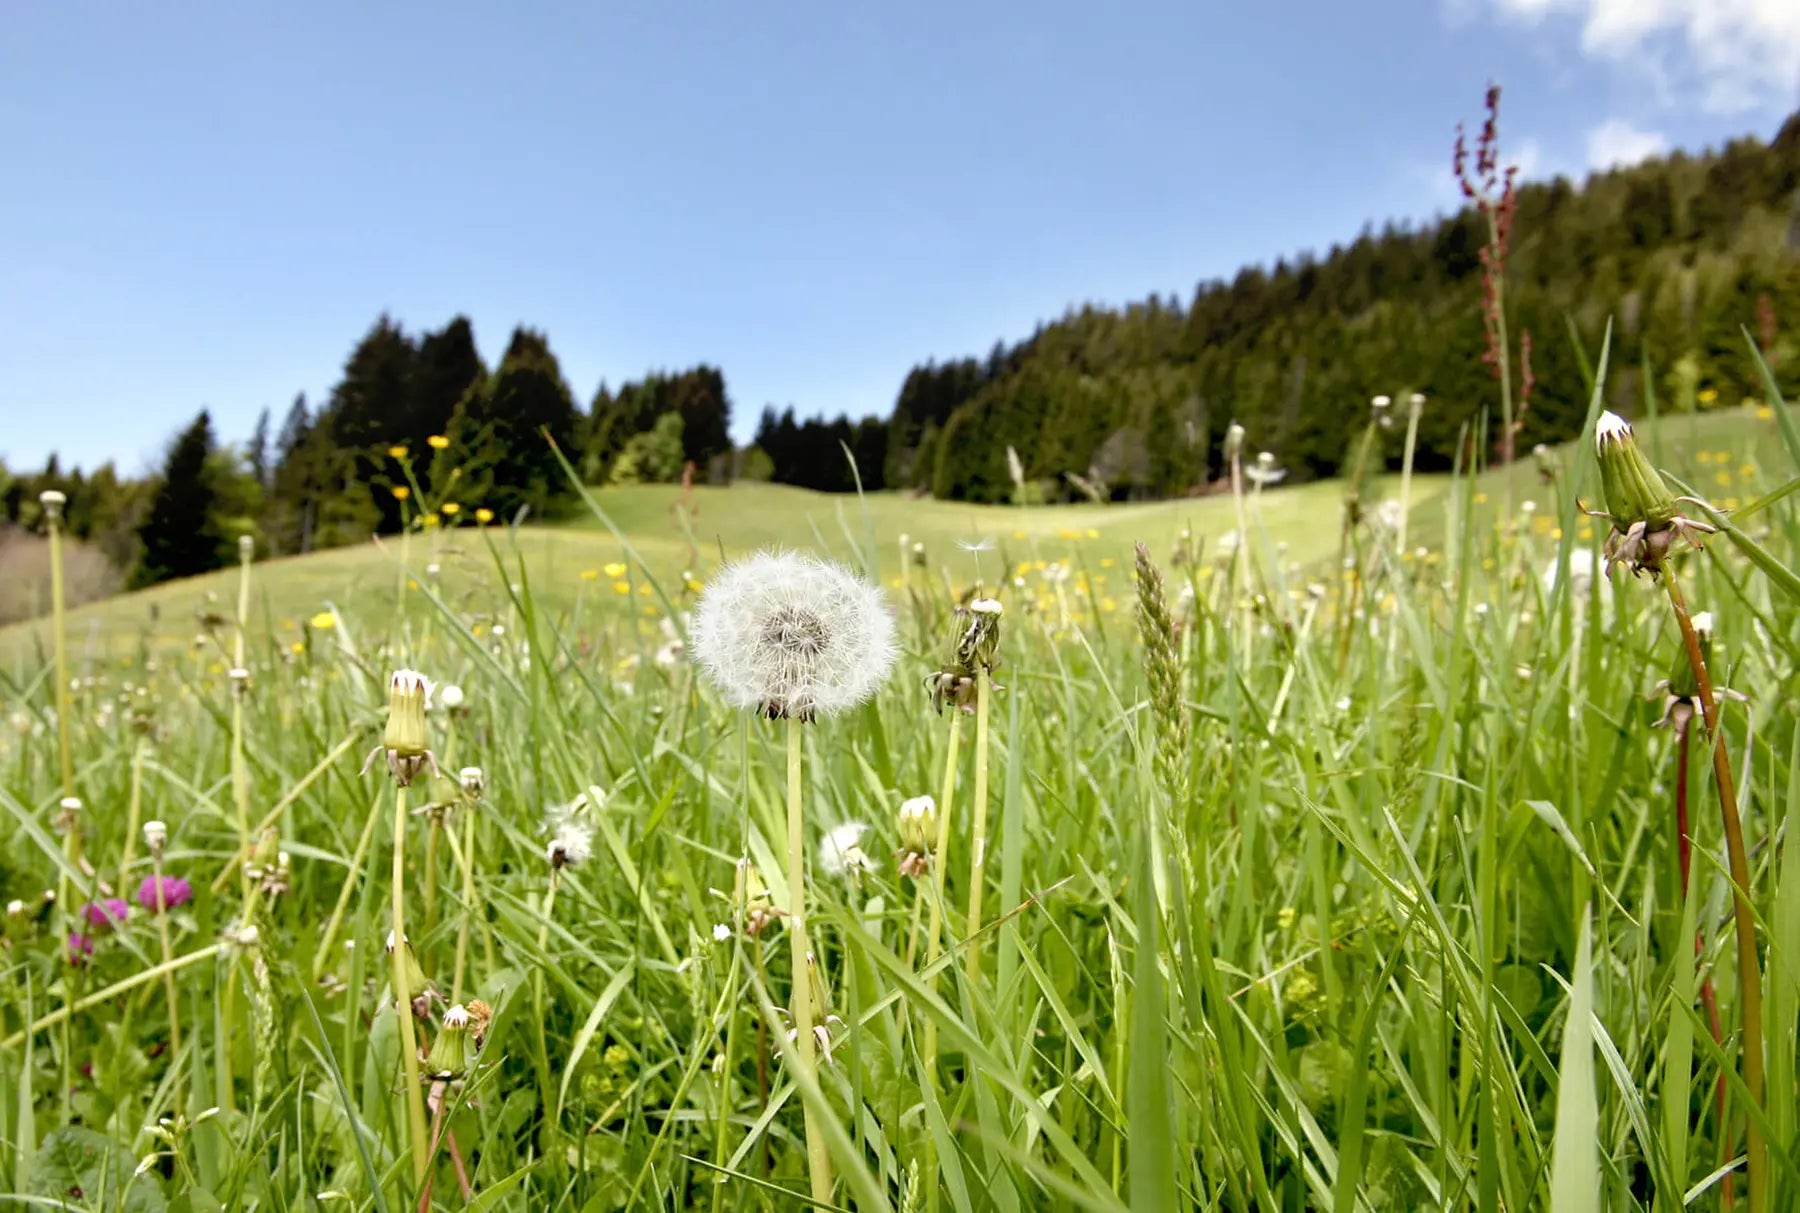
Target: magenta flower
[(106, 914), (175, 892), (80, 947)]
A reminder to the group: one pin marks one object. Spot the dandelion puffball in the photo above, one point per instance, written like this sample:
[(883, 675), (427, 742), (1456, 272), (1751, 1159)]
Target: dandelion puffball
[(792, 635)]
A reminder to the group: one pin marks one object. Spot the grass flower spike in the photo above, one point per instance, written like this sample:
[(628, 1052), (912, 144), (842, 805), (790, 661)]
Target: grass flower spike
[(789, 635)]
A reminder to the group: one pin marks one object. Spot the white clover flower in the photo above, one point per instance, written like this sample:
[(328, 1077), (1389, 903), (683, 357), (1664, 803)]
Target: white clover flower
[(841, 853), (785, 634)]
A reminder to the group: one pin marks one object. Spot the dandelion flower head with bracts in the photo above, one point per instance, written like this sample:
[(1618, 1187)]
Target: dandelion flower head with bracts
[(791, 635)]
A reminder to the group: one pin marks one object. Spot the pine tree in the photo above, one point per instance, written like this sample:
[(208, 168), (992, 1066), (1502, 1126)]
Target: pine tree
[(181, 535)]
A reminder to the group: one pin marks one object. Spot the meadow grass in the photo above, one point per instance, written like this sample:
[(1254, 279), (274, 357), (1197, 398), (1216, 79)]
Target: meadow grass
[(1394, 921)]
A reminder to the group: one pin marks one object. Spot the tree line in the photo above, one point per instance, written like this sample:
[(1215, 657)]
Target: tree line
[(1678, 253)]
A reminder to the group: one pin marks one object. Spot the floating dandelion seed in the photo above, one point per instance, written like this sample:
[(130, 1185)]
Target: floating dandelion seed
[(1264, 472), (841, 853), (791, 635), (975, 545)]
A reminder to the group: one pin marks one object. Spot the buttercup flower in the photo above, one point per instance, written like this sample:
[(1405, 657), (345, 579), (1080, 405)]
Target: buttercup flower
[(791, 635)]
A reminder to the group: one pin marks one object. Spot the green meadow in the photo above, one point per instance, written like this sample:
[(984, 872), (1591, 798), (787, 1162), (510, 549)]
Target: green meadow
[(1290, 864)]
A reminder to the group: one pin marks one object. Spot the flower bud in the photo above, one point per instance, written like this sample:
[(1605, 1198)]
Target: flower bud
[(408, 691), (1234, 441), (473, 782), (449, 1057), (919, 824), (53, 502), (1634, 490), (246, 547), (415, 974), (1683, 683), (156, 836), (979, 646)]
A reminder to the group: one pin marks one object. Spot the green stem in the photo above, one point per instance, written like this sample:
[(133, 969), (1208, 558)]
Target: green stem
[(323, 956), (978, 839), (466, 859), (414, 1094), (240, 770), (818, 1161), (113, 991), (59, 639), (1406, 471), (1749, 970), (168, 955)]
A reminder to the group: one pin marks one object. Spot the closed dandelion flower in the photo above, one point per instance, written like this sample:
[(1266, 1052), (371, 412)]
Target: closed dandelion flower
[(791, 635)]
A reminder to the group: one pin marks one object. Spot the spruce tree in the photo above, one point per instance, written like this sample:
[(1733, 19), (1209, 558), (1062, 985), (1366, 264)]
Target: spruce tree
[(181, 535)]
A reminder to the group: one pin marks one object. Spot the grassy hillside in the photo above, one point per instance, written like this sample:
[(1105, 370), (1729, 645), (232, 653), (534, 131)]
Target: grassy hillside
[(567, 563)]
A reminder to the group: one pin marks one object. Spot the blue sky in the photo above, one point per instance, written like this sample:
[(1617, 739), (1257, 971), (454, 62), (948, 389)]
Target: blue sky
[(207, 204)]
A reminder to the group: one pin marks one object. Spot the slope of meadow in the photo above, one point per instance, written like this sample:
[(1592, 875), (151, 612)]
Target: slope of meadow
[(1297, 886)]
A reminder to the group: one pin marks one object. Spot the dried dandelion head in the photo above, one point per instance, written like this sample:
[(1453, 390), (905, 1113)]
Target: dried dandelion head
[(791, 635)]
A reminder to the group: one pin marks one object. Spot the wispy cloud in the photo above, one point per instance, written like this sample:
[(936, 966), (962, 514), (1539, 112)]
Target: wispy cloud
[(1616, 143), (1734, 55)]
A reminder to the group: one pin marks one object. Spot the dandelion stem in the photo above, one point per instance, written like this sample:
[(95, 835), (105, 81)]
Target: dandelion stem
[(59, 639), (168, 956), (1406, 471), (466, 860), (1749, 970), (1709, 998), (240, 769), (978, 834), (133, 810), (414, 1094), (818, 1161)]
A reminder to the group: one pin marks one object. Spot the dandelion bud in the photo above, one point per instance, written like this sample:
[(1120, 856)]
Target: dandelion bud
[(415, 974), (1234, 441), (449, 1056), (473, 782), (53, 503), (408, 691), (240, 680), (1634, 490), (68, 813), (918, 835), (1683, 683), (979, 646), (246, 547)]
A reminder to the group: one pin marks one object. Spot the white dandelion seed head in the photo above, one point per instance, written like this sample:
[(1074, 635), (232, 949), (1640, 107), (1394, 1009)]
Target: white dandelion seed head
[(1381, 402), (1611, 428), (450, 697), (1389, 515), (1703, 621), (572, 842), (986, 606), (975, 545), (793, 634), (841, 853)]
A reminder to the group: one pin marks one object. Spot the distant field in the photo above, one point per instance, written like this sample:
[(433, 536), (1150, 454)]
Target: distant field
[(567, 561)]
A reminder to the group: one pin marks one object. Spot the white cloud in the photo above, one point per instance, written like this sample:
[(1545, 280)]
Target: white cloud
[(1616, 143), (1735, 55)]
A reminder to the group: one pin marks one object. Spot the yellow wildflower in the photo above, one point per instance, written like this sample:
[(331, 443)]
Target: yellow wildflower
[(1093, 533), (615, 569), (451, 508), (324, 620), (437, 442), (484, 515), (430, 519), (590, 574), (621, 587), (397, 451), (401, 492)]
